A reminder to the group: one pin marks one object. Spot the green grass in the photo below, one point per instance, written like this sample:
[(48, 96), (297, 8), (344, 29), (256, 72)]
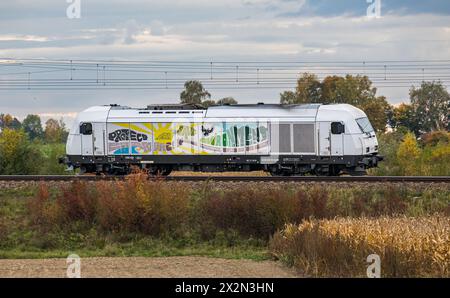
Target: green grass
[(145, 247), (19, 241), (18, 193)]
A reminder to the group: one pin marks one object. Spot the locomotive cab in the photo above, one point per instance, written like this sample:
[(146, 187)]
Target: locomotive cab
[(85, 145), (345, 131)]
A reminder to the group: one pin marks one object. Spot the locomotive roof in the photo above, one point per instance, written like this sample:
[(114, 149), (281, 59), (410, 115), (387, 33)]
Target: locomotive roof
[(226, 106), (263, 110), (307, 112), (270, 106), (235, 110)]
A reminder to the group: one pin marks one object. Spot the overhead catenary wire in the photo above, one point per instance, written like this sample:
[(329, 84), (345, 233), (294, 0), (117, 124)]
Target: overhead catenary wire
[(129, 74)]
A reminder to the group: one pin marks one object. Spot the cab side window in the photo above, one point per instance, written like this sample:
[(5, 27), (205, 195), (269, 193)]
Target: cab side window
[(86, 128), (337, 128)]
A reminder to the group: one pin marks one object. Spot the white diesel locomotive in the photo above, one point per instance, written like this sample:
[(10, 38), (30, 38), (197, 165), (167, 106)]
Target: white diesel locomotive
[(280, 139)]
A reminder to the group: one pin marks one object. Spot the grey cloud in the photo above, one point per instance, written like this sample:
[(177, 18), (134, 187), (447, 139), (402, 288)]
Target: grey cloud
[(204, 30), (157, 28), (131, 28)]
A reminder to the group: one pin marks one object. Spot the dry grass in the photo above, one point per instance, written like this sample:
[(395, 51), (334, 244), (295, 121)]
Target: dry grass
[(134, 205), (206, 209), (408, 247)]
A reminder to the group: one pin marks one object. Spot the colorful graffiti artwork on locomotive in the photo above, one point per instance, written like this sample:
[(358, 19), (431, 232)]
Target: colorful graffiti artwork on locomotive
[(129, 138), (188, 138), (238, 138)]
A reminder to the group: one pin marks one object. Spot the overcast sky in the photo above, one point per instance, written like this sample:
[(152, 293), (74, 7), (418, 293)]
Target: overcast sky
[(212, 30)]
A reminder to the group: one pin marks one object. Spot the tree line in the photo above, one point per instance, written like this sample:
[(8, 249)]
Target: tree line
[(427, 111), (29, 148), (54, 131)]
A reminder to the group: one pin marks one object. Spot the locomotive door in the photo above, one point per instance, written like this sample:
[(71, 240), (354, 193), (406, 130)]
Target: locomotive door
[(337, 144), (337, 138), (86, 144), (86, 131), (324, 138), (99, 138)]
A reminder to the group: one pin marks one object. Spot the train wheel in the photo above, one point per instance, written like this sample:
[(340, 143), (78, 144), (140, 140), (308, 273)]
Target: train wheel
[(166, 171), (163, 171), (276, 174), (280, 173), (357, 171), (83, 170), (334, 171)]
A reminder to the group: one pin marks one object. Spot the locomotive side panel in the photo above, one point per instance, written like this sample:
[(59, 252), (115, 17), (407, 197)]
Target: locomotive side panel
[(303, 135), (290, 137), (188, 138)]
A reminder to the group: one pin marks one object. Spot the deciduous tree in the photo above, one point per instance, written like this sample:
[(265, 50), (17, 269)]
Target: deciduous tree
[(288, 97), (8, 121), (194, 93), (226, 100), (354, 90), (431, 103), (404, 116), (33, 127), (408, 153), (17, 154), (55, 131)]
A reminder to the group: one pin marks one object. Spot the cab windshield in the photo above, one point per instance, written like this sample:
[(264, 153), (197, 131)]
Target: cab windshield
[(364, 124)]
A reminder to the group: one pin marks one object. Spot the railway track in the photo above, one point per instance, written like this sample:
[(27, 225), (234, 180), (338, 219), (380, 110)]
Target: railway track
[(424, 179)]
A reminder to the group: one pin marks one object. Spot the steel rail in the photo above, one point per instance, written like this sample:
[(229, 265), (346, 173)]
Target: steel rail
[(419, 179)]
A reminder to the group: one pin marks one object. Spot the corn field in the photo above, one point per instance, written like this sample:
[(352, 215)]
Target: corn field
[(408, 247)]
